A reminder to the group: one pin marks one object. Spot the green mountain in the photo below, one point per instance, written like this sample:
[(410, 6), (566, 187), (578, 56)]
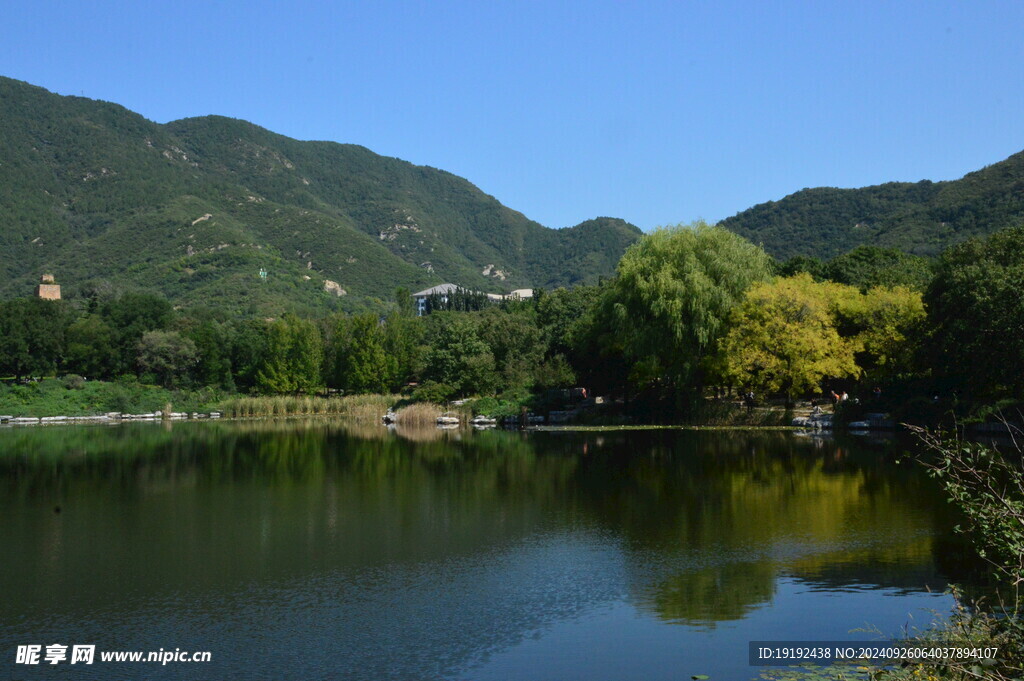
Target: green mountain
[(921, 218), (107, 200)]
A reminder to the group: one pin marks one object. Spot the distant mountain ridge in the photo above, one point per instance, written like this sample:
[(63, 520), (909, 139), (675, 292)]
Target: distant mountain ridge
[(104, 198), (921, 218)]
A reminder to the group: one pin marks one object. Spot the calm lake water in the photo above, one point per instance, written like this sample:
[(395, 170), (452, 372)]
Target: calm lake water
[(308, 550)]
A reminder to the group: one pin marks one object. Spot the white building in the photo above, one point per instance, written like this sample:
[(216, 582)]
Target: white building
[(444, 290), (421, 296)]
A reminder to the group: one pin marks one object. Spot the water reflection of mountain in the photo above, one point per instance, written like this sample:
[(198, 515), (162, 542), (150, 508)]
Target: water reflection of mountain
[(448, 548)]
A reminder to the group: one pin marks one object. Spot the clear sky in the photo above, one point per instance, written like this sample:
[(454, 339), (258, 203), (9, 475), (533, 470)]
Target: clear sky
[(655, 112)]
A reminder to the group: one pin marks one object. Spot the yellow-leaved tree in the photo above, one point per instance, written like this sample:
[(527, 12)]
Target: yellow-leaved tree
[(783, 336), (885, 325)]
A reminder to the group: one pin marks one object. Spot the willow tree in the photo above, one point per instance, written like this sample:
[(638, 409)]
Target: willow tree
[(672, 297), (783, 337)]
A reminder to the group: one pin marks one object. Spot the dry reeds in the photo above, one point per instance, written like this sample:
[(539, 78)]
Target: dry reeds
[(356, 407), (419, 414)]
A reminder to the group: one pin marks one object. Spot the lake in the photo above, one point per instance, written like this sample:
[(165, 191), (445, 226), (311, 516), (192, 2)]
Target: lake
[(311, 550)]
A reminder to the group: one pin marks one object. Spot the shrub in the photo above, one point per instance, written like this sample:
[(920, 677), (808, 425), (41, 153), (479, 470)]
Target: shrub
[(433, 392), (73, 382), (987, 486)]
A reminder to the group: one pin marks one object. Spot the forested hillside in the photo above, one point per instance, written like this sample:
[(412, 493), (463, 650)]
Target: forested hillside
[(921, 218), (107, 200)]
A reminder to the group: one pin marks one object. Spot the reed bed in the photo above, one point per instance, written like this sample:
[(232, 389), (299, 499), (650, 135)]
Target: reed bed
[(418, 414), (355, 407), (426, 413)]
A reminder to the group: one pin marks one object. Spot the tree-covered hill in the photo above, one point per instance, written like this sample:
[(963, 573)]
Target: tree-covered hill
[(921, 218), (105, 199)]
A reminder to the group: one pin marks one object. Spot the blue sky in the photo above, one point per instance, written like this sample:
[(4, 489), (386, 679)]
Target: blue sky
[(655, 112)]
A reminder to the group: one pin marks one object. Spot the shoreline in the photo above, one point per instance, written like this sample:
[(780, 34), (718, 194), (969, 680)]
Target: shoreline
[(108, 418), (815, 425)]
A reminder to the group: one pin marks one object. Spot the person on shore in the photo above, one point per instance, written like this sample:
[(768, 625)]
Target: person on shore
[(835, 399)]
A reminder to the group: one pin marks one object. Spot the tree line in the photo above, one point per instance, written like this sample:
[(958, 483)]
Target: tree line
[(692, 309), (494, 348)]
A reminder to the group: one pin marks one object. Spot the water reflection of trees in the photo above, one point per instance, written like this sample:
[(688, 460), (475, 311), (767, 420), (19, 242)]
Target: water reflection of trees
[(712, 519), (704, 596), (707, 520)]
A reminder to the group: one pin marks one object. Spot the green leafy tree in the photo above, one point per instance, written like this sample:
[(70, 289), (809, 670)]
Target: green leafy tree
[(802, 263), (132, 315), (597, 354), (337, 343), (559, 311), (405, 302), (167, 356), (554, 372), (360, 357), (248, 349), (671, 300), (31, 337), (213, 348), (870, 266), (516, 343), (403, 335), (90, 348), (976, 313), (293, 357), (457, 357)]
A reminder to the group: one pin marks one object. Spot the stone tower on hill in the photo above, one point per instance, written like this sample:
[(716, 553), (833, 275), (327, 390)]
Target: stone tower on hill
[(47, 289)]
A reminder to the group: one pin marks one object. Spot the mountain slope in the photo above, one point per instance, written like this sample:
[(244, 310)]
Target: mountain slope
[(104, 198), (922, 218)]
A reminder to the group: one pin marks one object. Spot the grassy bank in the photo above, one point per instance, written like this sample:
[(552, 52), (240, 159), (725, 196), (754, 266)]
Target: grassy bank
[(74, 396)]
